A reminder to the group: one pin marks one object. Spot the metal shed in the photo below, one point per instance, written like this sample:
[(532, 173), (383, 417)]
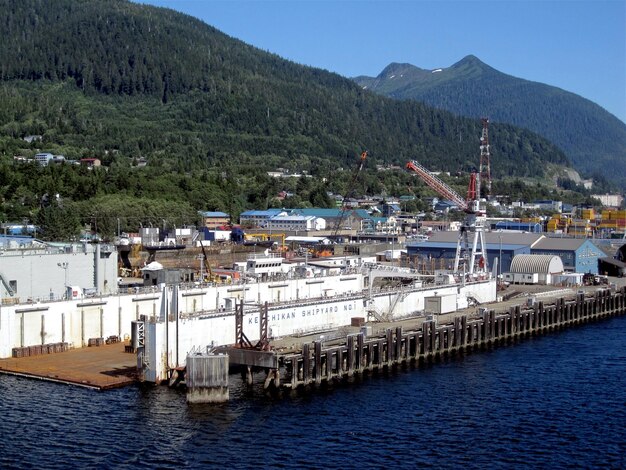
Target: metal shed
[(534, 269)]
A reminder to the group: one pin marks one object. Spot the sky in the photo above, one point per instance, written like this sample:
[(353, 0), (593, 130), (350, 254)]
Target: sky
[(576, 45)]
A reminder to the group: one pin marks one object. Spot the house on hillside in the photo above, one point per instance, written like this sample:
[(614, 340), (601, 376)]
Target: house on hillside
[(90, 162), (44, 158)]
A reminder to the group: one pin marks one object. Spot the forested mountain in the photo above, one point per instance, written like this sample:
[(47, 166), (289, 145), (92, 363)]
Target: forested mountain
[(593, 139), (210, 114)]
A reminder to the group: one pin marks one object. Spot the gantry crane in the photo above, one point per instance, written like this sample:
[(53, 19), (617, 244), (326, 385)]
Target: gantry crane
[(348, 193), (472, 257)]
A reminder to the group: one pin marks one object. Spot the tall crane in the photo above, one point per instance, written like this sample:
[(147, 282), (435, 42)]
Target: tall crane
[(348, 193), (471, 258), (485, 167)]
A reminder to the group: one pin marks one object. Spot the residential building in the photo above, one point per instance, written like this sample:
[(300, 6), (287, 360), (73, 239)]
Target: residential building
[(90, 162), (44, 158)]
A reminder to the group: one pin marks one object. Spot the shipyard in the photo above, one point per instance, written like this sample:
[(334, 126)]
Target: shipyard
[(186, 307), (312, 234)]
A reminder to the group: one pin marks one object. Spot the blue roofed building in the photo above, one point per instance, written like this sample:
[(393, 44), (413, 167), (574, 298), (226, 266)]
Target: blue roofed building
[(578, 254), (391, 209), (258, 218), (445, 206), (440, 250), (296, 223), (352, 219)]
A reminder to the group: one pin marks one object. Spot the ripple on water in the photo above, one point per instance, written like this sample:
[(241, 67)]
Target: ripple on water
[(553, 401)]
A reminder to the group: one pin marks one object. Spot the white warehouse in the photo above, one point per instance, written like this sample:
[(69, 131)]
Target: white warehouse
[(295, 223), (534, 269)]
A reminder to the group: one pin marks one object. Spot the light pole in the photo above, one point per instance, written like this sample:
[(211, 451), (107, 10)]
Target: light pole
[(500, 261), (65, 265)]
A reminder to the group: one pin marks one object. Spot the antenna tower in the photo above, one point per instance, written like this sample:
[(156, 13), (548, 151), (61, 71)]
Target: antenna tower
[(485, 169)]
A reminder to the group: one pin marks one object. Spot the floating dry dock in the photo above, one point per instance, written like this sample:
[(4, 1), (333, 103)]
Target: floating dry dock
[(101, 368), (317, 362)]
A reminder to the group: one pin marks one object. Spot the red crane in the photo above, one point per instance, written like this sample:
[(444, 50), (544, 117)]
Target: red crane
[(473, 256)]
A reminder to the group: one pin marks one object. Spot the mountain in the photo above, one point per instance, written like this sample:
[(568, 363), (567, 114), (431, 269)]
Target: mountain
[(592, 138), (114, 79)]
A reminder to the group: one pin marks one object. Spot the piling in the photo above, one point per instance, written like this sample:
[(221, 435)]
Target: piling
[(358, 354), (207, 378)]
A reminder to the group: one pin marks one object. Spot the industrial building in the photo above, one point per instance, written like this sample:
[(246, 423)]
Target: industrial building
[(442, 246), (534, 269), (36, 270), (533, 227), (577, 254)]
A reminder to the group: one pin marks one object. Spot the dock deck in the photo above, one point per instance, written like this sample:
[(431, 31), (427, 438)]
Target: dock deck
[(101, 367)]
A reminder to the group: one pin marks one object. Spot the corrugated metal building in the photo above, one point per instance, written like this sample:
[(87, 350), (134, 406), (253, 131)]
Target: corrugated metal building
[(578, 254), (502, 245), (534, 269)]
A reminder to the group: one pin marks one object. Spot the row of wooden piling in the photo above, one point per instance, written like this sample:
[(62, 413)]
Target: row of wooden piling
[(318, 363)]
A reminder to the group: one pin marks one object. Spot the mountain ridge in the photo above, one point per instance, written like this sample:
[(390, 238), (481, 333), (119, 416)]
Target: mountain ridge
[(593, 139)]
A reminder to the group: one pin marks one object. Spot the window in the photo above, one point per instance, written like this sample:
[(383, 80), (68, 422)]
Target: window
[(13, 286)]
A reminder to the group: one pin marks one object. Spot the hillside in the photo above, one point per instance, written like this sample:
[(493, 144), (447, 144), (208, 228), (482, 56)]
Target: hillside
[(208, 116), (154, 83), (593, 139)]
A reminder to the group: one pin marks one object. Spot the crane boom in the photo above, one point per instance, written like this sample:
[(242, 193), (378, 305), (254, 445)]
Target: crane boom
[(439, 186), (470, 256), (342, 214)]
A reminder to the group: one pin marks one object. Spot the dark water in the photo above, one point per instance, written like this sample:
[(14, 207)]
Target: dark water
[(556, 401)]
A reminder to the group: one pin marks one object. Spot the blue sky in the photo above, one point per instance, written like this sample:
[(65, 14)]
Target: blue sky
[(576, 45)]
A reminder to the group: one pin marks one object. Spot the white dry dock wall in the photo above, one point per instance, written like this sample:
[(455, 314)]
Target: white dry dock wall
[(75, 321), (186, 333), (224, 297), (190, 330), (72, 321), (206, 315), (403, 302), (42, 275)]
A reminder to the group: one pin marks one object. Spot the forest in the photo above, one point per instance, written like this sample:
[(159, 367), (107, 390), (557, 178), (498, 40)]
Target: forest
[(208, 116)]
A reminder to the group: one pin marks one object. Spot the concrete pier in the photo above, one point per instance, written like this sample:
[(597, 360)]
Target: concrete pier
[(207, 378)]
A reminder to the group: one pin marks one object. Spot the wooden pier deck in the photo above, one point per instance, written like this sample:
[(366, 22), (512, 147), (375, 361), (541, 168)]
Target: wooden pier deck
[(318, 362), (101, 367)]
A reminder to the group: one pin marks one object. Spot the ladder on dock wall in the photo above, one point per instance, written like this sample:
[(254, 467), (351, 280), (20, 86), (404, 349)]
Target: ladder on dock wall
[(317, 363)]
